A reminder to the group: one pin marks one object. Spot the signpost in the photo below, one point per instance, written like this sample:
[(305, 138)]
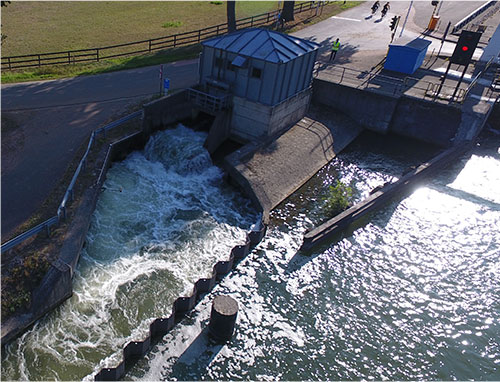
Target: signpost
[(166, 85)]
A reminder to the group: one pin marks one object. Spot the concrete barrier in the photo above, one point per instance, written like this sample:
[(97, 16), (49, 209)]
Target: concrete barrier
[(471, 16), (423, 120), (426, 121), (378, 199), (165, 111)]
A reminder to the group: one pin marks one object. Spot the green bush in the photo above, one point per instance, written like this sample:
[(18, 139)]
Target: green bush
[(338, 198)]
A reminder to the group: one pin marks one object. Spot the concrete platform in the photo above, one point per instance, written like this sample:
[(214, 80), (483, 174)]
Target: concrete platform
[(271, 170)]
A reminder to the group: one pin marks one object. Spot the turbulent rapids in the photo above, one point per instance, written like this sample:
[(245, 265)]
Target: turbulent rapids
[(413, 294), (164, 218)]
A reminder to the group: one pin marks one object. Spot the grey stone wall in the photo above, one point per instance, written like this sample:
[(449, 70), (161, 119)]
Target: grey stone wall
[(251, 120), (415, 118), (372, 110), (165, 111)]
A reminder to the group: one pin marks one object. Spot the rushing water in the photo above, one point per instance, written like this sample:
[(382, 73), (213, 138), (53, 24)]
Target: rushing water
[(163, 220), (413, 294)]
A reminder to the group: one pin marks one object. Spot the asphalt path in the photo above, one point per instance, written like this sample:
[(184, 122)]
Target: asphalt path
[(56, 117)]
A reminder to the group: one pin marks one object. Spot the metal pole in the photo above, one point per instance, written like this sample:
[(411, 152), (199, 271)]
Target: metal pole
[(442, 81), (406, 18), (459, 82), (444, 37), (440, 5)]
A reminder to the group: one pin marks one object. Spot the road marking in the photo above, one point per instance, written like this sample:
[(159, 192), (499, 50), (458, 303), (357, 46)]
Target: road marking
[(344, 18)]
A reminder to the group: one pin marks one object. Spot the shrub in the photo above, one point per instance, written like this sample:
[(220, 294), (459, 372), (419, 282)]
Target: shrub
[(338, 198)]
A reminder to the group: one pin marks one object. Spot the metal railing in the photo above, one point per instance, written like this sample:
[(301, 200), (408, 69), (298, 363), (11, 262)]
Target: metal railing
[(69, 194), (381, 83), (208, 102), (467, 19), (144, 46), (491, 89)]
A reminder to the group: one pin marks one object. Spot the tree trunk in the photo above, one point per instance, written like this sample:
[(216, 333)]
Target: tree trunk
[(231, 16), (288, 10)]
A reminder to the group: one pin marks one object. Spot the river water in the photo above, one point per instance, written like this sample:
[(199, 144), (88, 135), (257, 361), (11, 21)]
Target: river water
[(412, 294)]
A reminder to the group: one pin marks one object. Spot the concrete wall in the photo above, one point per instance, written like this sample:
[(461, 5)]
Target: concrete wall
[(411, 117), (372, 110), (164, 111), (494, 118), (251, 120), (289, 112), (426, 121), (492, 50), (219, 131)]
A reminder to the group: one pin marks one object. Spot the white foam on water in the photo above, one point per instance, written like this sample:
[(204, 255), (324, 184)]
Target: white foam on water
[(164, 218)]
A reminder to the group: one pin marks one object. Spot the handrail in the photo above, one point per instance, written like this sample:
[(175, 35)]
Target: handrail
[(68, 195), (364, 79), (148, 46)]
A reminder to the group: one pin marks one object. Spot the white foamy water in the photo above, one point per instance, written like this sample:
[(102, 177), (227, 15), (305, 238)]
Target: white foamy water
[(164, 218)]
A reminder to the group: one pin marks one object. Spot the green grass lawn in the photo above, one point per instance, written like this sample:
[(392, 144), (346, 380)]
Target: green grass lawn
[(42, 27), (52, 26)]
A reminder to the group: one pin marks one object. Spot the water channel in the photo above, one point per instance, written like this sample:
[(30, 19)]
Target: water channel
[(413, 294)]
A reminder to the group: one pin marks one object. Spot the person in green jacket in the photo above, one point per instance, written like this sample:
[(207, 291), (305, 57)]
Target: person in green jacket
[(335, 49)]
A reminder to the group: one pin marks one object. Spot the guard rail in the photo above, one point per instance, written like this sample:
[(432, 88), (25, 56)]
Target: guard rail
[(69, 194)]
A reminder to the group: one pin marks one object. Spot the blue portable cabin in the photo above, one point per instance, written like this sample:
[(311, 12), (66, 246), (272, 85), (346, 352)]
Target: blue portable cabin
[(258, 64), (406, 55)]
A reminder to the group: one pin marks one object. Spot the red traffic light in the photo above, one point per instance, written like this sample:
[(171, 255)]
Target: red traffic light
[(465, 48)]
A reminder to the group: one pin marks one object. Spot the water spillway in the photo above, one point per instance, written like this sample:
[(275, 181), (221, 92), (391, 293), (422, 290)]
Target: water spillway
[(164, 218), (411, 295)]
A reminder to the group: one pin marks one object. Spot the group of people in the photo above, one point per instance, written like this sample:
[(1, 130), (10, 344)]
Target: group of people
[(385, 9)]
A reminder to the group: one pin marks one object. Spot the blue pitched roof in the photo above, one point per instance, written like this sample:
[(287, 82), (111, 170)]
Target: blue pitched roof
[(263, 44)]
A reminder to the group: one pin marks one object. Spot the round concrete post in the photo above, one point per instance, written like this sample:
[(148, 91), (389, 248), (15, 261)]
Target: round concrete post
[(223, 318)]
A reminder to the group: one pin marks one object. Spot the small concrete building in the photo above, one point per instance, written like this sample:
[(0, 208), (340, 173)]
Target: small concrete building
[(266, 74)]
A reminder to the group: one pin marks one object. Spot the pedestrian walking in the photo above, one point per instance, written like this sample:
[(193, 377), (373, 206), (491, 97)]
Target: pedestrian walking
[(385, 9), (335, 49)]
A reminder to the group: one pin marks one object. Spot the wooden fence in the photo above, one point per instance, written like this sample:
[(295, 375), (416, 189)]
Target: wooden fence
[(144, 46)]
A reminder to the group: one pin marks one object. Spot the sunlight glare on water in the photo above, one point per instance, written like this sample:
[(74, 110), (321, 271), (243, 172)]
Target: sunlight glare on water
[(414, 294)]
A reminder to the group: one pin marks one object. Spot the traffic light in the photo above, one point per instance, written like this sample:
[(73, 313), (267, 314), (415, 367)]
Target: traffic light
[(465, 47), (394, 22)]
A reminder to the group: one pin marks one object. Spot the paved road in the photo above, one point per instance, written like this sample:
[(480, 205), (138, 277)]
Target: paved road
[(55, 117)]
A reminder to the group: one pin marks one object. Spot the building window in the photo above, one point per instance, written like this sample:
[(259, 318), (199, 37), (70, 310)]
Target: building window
[(256, 72)]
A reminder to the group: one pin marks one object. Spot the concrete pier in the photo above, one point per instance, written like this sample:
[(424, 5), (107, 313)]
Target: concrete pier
[(223, 318), (271, 170)]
